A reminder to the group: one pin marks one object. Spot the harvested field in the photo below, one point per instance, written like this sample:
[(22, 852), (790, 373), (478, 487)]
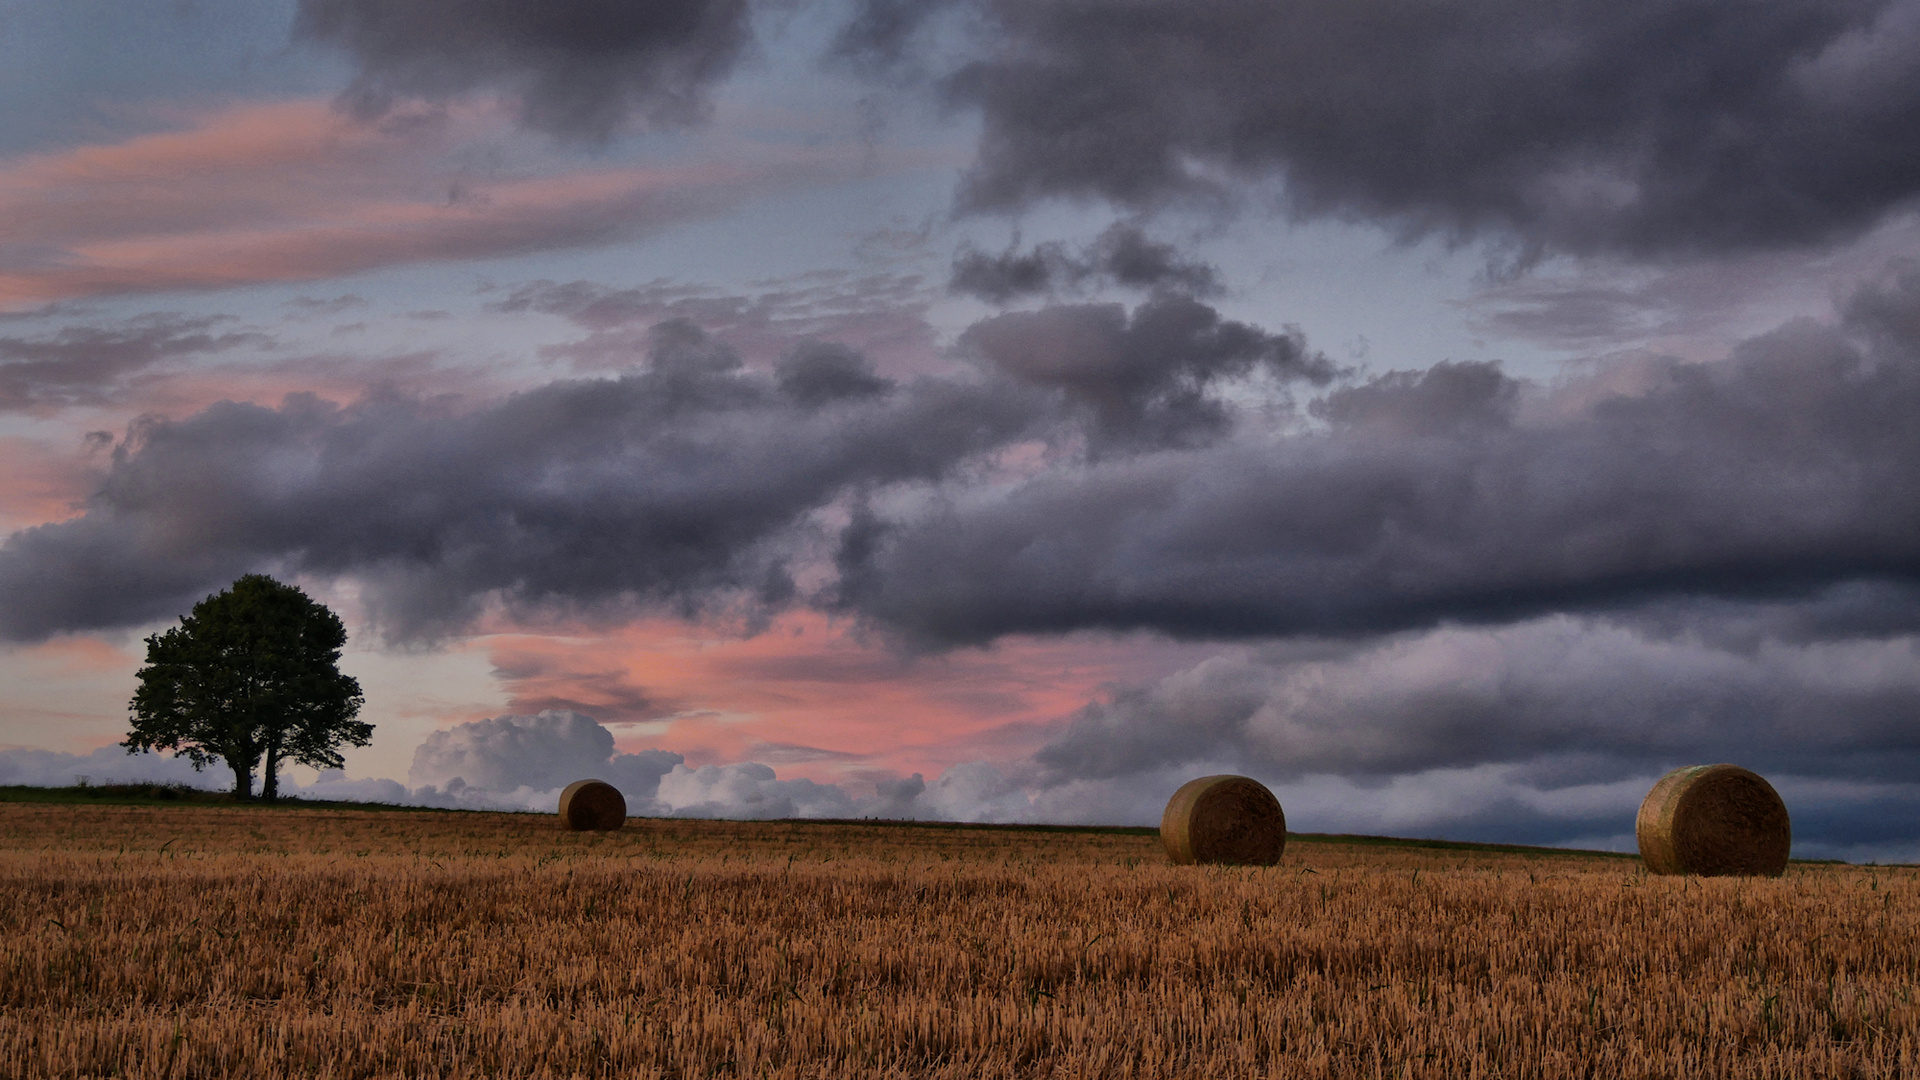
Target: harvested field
[(194, 941)]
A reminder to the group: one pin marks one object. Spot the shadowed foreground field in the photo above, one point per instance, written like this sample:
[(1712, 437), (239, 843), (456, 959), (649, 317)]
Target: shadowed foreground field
[(204, 942)]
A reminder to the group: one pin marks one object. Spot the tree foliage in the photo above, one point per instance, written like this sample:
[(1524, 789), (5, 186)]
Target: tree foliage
[(252, 678)]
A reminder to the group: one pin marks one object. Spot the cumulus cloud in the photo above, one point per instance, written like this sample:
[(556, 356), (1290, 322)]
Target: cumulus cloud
[(1122, 255), (750, 790), (523, 762), (1645, 127), (578, 68), (1458, 493), (541, 753)]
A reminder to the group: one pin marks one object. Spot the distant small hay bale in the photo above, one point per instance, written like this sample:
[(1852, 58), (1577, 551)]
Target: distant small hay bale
[(1224, 819), (1714, 820), (592, 804)]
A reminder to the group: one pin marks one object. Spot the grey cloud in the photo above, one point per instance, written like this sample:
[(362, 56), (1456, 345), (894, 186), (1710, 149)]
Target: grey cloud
[(1886, 310), (580, 69), (1008, 275), (308, 305), (1562, 700), (1783, 471), (680, 484), (81, 365), (1122, 255), (690, 483), (972, 791), (1644, 127), (1447, 397), (1549, 730), (819, 373), (1149, 377), (880, 313), (882, 35)]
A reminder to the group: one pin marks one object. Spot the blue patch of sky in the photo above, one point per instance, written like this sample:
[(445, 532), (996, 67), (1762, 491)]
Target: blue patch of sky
[(93, 70)]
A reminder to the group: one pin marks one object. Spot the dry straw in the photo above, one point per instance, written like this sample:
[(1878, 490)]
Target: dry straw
[(1714, 820), (592, 804), (1224, 819)]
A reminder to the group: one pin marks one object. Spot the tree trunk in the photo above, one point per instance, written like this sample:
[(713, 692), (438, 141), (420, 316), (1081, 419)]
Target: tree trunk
[(242, 779), (270, 778)]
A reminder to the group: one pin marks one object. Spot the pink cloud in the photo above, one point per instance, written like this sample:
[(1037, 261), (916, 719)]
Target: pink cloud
[(817, 698), (293, 191), (40, 483), (69, 693)]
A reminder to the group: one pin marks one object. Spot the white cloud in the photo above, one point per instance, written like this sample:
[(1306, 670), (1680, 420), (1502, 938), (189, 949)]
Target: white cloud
[(107, 765)]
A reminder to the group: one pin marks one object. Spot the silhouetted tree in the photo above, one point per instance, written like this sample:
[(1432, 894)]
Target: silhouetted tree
[(252, 674)]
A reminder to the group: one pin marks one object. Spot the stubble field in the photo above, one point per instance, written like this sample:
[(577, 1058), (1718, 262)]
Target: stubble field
[(201, 942)]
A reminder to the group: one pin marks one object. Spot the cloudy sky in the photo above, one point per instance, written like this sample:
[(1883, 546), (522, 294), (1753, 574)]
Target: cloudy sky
[(1454, 415)]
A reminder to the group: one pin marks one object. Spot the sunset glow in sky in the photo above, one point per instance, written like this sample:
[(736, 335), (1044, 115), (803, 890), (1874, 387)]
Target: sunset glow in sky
[(1453, 415)]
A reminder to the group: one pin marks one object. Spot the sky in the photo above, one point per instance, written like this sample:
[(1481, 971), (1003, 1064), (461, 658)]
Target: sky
[(1452, 415)]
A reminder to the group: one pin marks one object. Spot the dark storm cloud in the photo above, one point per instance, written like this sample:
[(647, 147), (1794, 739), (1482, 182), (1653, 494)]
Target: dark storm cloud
[(579, 68), (1788, 468), (679, 484), (1643, 127), (1147, 378), (85, 364), (1122, 255)]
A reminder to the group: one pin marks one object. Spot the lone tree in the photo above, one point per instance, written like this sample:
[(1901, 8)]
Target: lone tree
[(252, 673)]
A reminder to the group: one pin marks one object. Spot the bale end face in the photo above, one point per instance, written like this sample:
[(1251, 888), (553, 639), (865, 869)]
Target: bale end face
[(1224, 819), (592, 804), (1714, 820)]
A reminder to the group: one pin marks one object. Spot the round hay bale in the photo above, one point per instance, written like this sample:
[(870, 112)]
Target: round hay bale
[(1714, 820), (1224, 819), (592, 804)]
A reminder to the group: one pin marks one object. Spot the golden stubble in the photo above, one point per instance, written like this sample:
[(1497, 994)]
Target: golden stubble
[(246, 942)]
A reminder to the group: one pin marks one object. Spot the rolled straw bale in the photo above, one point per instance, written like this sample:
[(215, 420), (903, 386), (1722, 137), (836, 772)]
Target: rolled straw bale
[(592, 804), (1714, 820), (1224, 819)]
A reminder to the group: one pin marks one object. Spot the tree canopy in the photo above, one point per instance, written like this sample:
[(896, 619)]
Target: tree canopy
[(251, 677)]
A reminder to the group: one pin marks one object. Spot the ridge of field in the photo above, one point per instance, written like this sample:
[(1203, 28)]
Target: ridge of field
[(148, 794), (194, 941)]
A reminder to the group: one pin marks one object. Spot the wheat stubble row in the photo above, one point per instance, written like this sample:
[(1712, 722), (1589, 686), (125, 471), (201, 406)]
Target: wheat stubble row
[(217, 942)]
